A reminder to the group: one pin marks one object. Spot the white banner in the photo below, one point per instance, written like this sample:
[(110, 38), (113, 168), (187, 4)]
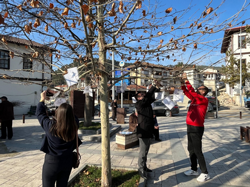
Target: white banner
[(178, 96), (159, 95), (168, 102), (72, 76)]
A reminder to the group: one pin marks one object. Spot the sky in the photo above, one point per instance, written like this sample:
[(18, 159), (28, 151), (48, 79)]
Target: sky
[(227, 10)]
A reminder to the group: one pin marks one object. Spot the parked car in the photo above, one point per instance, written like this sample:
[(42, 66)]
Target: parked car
[(209, 107), (220, 85), (212, 100), (160, 109), (247, 102)]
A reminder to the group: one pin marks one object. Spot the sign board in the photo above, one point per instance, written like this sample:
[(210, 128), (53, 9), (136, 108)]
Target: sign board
[(118, 75), (122, 64)]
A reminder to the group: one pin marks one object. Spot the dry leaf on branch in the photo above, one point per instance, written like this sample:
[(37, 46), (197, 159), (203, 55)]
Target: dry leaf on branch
[(172, 28), (27, 29), (40, 13), (65, 12), (90, 25), (206, 28), (51, 5), (35, 54), (199, 26), (160, 33), (159, 46), (144, 12), (120, 7), (204, 14), (212, 30), (88, 19), (20, 7), (6, 14), (145, 31), (129, 58), (1, 19), (169, 10), (161, 41), (112, 12), (175, 19), (65, 25), (215, 14), (139, 5), (182, 40), (183, 49), (11, 54), (191, 25), (85, 9), (34, 4), (69, 2), (230, 25), (243, 22), (195, 45), (209, 10), (195, 23), (37, 23), (4, 40), (73, 25), (46, 28)]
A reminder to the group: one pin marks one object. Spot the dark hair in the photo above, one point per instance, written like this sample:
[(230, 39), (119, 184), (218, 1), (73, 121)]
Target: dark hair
[(207, 90), (64, 125), (136, 95)]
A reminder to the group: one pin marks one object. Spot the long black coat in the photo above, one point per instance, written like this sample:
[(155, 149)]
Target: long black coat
[(145, 127)]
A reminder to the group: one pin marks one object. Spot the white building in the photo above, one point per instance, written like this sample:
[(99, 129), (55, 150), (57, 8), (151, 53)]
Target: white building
[(231, 41), (21, 78), (211, 77)]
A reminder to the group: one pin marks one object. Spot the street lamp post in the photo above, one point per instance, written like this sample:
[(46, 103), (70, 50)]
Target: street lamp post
[(240, 70), (216, 95)]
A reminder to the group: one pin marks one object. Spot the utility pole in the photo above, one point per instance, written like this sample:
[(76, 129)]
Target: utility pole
[(216, 95), (121, 87), (240, 70), (113, 74)]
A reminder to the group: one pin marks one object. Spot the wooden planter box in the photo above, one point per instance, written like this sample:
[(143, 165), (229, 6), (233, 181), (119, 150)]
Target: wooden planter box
[(125, 141)]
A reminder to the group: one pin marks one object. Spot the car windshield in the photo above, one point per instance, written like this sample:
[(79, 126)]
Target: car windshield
[(159, 104)]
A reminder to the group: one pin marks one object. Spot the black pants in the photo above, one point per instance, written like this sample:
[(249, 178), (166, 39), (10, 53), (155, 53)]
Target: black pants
[(195, 151), (6, 124), (144, 144), (114, 114), (56, 170), (156, 134)]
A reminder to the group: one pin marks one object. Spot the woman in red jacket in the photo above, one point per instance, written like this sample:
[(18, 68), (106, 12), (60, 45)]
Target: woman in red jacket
[(195, 128)]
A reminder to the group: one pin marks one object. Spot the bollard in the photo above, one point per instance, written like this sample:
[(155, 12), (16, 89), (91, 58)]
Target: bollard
[(240, 115), (23, 118)]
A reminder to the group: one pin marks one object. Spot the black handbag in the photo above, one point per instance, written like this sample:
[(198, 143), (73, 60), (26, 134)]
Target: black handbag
[(76, 157)]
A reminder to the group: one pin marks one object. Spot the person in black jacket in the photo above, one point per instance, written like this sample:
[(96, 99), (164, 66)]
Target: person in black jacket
[(114, 107), (6, 117), (58, 144), (145, 126)]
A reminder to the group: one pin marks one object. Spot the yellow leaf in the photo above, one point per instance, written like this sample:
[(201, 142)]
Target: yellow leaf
[(209, 10), (169, 10), (20, 7), (85, 8), (46, 28), (65, 12)]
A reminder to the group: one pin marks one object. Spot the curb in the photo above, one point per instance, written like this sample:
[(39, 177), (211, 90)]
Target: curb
[(142, 182)]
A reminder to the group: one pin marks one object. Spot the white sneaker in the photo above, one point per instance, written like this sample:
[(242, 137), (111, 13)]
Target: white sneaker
[(191, 172), (203, 177)]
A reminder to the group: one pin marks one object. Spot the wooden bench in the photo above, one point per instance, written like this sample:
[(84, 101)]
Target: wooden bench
[(125, 141), (245, 133)]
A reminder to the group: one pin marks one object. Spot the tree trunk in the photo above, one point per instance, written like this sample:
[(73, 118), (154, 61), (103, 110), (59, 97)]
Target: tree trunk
[(106, 163), (88, 106)]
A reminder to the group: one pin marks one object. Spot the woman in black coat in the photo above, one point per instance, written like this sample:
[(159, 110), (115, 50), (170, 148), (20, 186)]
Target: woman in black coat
[(58, 144)]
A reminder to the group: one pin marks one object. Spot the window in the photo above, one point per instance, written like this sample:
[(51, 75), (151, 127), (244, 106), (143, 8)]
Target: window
[(243, 41), (165, 73), (4, 60), (146, 72), (27, 63), (158, 73), (159, 104)]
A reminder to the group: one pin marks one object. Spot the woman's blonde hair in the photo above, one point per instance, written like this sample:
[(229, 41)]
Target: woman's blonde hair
[(65, 124)]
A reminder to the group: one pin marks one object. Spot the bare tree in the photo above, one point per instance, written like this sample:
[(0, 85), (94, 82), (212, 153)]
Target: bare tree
[(86, 30)]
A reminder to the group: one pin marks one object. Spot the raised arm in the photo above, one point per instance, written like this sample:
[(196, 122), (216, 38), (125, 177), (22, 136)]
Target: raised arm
[(186, 92)]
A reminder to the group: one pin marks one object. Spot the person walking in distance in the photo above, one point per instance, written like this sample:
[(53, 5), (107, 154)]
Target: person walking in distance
[(6, 117), (195, 128), (58, 144), (114, 107), (145, 126)]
